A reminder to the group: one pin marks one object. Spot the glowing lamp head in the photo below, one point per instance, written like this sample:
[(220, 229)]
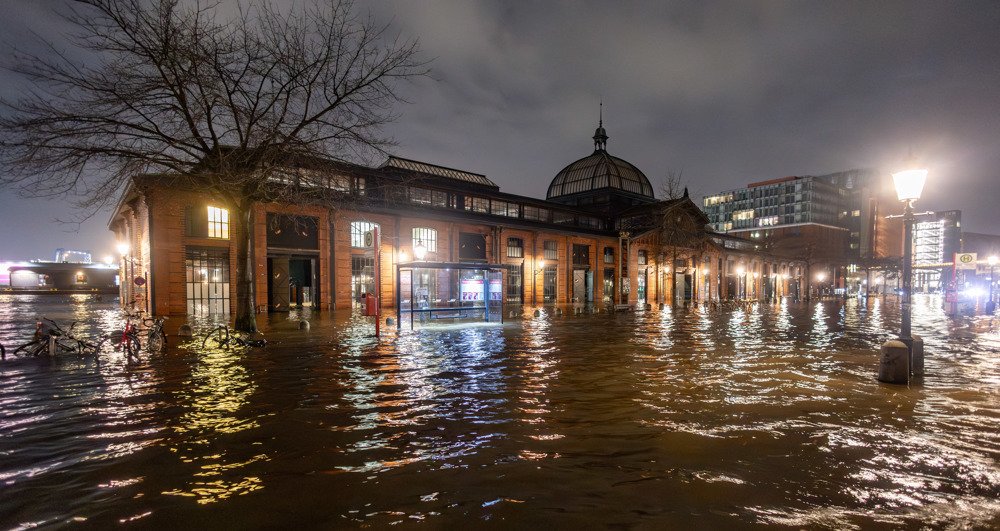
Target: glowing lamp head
[(909, 184), (704, 271), (123, 248), (419, 250), (740, 271), (541, 264), (821, 276), (992, 260)]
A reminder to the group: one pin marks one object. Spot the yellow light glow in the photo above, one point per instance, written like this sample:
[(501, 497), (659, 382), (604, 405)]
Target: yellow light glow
[(909, 184)]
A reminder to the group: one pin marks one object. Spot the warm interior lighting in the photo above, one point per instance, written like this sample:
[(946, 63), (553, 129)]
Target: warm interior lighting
[(419, 251), (909, 184), (402, 256)]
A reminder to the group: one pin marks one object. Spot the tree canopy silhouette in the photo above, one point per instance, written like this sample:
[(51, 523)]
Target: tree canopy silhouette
[(228, 103)]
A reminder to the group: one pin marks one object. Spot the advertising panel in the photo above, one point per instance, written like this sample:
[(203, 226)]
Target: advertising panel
[(473, 290)]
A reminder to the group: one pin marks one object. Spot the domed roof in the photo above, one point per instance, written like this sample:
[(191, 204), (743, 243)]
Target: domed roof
[(599, 171)]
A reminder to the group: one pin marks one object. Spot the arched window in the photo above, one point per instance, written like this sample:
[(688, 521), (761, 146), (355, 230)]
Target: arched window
[(358, 230)]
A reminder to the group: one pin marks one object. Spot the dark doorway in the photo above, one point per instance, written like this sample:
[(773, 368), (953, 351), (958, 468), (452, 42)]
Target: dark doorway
[(292, 282)]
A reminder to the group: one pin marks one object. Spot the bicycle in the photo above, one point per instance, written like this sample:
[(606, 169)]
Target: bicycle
[(133, 338), (225, 338), (50, 339), (153, 335)]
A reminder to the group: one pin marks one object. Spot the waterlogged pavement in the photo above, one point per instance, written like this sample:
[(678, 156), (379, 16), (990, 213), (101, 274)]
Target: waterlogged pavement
[(737, 418)]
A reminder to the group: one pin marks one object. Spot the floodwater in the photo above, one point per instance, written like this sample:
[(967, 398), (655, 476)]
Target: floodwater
[(693, 419)]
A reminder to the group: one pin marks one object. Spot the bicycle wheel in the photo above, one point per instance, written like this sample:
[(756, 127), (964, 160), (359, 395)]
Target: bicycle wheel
[(130, 345), (32, 348), (156, 341)]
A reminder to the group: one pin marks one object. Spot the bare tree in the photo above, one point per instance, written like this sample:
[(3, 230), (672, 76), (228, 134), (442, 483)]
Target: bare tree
[(227, 105), (679, 228)]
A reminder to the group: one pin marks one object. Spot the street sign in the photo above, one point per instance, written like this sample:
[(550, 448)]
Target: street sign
[(965, 261), (369, 239)]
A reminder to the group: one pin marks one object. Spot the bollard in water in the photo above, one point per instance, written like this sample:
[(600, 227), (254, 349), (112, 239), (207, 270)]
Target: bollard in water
[(512, 314), (537, 313), (894, 367), (303, 325), (917, 356), (185, 331), (389, 321), (558, 311)]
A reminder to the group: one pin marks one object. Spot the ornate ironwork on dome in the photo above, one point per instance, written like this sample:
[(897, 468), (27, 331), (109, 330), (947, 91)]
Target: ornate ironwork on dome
[(599, 171)]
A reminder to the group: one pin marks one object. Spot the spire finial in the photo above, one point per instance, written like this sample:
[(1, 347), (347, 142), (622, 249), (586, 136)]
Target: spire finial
[(600, 136)]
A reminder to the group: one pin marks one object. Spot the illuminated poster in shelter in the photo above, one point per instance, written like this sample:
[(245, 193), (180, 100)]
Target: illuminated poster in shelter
[(472, 290), (496, 289)]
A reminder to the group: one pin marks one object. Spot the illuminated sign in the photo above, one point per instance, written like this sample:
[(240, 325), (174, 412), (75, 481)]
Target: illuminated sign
[(965, 261), (472, 290)]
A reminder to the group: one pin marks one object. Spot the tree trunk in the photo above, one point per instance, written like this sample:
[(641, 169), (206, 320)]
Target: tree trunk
[(246, 302)]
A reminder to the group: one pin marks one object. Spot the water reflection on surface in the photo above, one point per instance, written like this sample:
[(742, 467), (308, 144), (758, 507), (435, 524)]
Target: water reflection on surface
[(683, 417)]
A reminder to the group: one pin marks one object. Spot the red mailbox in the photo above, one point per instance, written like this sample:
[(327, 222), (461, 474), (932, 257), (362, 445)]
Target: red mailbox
[(371, 304)]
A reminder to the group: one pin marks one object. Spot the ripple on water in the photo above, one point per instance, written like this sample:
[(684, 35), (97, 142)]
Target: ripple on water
[(699, 417)]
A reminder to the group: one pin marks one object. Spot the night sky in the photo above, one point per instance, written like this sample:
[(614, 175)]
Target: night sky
[(723, 93)]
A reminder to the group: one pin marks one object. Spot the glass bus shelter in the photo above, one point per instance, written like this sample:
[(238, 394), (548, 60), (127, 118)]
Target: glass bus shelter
[(448, 292)]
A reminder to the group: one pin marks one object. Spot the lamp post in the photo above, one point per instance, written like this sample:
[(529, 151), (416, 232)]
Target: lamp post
[(126, 280), (419, 250), (909, 184), (991, 306), (905, 356)]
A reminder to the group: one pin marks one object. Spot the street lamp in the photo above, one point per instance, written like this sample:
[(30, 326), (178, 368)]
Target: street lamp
[(991, 306), (909, 184), (905, 356), (419, 250)]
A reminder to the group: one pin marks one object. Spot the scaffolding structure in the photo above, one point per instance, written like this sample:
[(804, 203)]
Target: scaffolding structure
[(928, 248)]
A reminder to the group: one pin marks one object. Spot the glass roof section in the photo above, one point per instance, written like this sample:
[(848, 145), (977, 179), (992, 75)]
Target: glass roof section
[(599, 171), (438, 171)]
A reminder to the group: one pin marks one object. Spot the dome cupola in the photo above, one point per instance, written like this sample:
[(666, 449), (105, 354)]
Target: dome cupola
[(599, 174)]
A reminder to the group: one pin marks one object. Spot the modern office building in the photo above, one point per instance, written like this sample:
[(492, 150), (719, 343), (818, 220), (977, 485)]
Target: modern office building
[(835, 222)]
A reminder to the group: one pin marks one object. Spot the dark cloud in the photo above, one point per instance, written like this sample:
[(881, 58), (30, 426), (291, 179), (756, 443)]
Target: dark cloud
[(728, 92)]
